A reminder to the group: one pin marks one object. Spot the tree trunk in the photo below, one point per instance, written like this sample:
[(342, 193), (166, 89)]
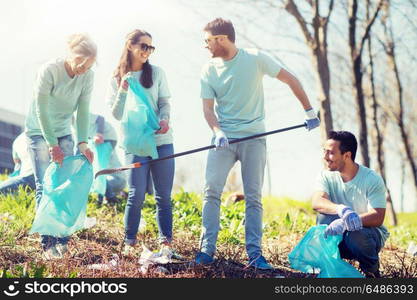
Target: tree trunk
[(317, 43), (356, 57), (323, 73), (361, 109), (399, 118), (379, 141)]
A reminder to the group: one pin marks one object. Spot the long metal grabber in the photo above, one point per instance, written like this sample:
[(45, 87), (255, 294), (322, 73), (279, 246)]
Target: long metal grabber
[(233, 141)]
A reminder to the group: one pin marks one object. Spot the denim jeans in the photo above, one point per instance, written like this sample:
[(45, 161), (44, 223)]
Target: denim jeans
[(163, 176), (12, 184), (114, 185), (252, 156), (362, 245), (39, 154)]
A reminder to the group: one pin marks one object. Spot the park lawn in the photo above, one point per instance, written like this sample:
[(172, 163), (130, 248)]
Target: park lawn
[(285, 222)]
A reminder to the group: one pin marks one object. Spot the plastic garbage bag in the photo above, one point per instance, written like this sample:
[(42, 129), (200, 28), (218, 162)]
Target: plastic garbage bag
[(102, 155), (139, 122), (6, 217), (142, 225), (15, 173), (316, 253), (62, 209), (90, 222), (412, 249)]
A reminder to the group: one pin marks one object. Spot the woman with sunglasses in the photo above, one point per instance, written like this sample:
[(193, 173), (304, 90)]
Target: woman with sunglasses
[(63, 86), (134, 63)]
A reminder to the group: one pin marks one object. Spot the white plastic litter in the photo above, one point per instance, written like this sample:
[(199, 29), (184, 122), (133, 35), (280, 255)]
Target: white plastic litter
[(90, 222), (161, 270), (149, 258), (6, 217), (412, 249), (112, 264), (142, 225)]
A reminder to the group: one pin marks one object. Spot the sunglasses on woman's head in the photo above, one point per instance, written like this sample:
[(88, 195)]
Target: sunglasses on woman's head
[(146, 47)]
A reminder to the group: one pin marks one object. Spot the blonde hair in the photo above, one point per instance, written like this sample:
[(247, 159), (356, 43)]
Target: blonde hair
[(81, 44)]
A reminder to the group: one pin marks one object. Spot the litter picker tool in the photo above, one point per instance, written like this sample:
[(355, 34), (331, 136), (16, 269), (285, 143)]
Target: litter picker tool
[(233, 141)]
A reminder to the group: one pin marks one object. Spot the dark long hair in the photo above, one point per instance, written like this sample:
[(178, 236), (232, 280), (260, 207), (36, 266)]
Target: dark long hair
[(125, 64)]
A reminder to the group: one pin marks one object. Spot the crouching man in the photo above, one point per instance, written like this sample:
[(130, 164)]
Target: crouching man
[(351, 199)]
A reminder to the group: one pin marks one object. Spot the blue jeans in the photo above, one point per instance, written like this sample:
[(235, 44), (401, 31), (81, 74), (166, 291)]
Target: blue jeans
[(252, 156), (39, 154), (114, 185), (362, 245), (12, 184), (163, 176)]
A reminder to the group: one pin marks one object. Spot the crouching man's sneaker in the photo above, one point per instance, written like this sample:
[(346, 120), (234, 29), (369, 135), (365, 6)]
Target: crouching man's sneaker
[(203, 259), (375, 274), (260, 263)]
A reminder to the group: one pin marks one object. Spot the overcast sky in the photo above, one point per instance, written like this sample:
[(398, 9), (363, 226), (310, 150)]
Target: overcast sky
[(34, 32)]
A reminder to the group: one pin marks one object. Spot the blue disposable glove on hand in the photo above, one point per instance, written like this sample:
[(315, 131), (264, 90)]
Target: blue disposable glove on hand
[(312, 121), (337, 227), (220, 140), (352, 220)]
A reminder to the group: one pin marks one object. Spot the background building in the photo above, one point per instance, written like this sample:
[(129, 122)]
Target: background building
[(11, 125)]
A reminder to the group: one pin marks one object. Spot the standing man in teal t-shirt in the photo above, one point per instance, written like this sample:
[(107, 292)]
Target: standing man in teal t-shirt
[(233, 102), (351, 199)]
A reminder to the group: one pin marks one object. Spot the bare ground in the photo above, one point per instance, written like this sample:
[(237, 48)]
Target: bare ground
[(99, 246)]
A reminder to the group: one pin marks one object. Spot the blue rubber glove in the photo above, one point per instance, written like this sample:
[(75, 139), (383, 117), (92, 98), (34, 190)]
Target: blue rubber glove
[(312, 120), (337, 227), (220, 140), (352, 220)]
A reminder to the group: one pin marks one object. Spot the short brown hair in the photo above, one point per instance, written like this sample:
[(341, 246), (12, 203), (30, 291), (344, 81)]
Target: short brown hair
[(221, 26), (347, 142)]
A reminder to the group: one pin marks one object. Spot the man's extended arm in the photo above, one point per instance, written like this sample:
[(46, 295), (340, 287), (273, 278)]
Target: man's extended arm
[(323, 204), (312, 120), (220, 139), (295, 86), (209, 115)]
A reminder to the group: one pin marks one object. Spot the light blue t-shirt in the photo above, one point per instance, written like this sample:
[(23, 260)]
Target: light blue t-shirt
[(159, 90), (366, 190), (236, 85), (56, 97)]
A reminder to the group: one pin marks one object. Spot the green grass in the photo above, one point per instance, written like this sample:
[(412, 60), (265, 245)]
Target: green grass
[(406, 230), (283, 218), (16, 215)]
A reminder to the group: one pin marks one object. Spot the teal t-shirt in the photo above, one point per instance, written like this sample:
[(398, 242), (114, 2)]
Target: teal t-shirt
[(366, 190), (236, 85), (56, 97), (158, 91)]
